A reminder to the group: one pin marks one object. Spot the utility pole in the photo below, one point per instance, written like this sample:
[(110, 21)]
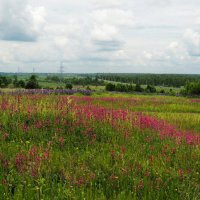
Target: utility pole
[(18, 70)]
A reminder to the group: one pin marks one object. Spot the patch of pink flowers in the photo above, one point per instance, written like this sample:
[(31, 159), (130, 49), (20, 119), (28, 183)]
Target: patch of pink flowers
[(195, 100), (136, 120)]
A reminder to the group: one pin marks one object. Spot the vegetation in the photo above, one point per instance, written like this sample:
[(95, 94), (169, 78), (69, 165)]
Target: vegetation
[(110, 87), (69, 86), (18, 84), (32, 83), (138, 88), (170, 80), (131, 83), (192, 88), (4, 81), (105, 147), (77, 80), (150, 89), (129, 88)]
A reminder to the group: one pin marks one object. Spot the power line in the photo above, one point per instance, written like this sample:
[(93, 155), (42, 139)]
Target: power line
[(61, 68), (61, 71)]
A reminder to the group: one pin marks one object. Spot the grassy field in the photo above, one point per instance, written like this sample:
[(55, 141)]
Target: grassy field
[(104, 146)]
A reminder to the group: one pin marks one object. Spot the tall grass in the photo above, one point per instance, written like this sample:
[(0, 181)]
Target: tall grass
[(75, 147)]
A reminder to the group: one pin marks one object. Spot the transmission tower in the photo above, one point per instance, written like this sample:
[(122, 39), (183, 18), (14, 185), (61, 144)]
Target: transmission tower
[(61, 71), (61, 68), (18, 70)]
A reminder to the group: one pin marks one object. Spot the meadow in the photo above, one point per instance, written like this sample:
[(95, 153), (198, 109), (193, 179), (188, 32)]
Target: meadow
[(103, 146)]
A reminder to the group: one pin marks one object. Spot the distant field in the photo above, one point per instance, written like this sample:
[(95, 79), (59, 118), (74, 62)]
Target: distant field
[(55, 85), (104, 146)]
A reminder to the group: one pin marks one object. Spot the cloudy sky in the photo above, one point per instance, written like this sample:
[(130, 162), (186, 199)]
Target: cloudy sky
[(148, 36)]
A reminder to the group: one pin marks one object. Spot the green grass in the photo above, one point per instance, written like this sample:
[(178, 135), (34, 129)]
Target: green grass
[(77, 147)]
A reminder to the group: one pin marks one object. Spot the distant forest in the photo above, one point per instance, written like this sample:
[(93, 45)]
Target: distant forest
[(101, 79), (169, 80)]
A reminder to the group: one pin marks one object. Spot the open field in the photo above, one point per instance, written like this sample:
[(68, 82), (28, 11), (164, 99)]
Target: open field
[(104, 146)]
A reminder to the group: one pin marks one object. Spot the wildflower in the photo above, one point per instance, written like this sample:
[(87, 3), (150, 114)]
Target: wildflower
[(126, 134), (62, 141), (20, 161), (113, 177), (46, 154), (141, 184), (33, 151), (180, 173)]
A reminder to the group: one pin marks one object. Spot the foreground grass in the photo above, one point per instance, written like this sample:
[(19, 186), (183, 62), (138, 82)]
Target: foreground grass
[(60, 147)]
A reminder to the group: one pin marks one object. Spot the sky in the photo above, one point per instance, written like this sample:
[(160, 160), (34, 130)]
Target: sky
[(95, 36)]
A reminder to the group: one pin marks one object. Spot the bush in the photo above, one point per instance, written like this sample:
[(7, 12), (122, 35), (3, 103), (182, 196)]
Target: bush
[(88, 88), (150, 89), (193, 88), (121, 88), (162, 91), (32, 83), (69, 86), (172, 92), (138, 88), (21, 84), (18, 84), (4, 81), (110, 87), (130, 88)]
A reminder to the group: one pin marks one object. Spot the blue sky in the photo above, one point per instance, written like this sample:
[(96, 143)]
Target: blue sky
[(146, 36)]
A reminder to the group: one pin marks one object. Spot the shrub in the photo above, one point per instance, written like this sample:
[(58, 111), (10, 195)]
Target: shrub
[(21, 84), (138, 88), (4, 81), (69, 86), (121, 88), (193, 88), (150, 89), (32, 83), (110, 87)]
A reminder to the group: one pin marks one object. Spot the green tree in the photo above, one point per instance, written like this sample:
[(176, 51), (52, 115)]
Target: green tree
[(193, 88), (21, 84), (15, 81), (69, 86), (4, 81), (110, 87), (150, 89), (138, 88), (32, 83)]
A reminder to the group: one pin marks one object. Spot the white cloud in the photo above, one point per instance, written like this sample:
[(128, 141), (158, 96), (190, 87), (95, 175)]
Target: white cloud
[(147, 55), (107, 26), (19, 21), (192, 42), (117, 17), (160, 2), (141, 36), (104, 32)]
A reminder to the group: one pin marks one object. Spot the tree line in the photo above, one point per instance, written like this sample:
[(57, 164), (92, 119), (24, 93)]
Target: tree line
[(168, 80), (191, 87), (94, 81), (31, 83), (130, 88)]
